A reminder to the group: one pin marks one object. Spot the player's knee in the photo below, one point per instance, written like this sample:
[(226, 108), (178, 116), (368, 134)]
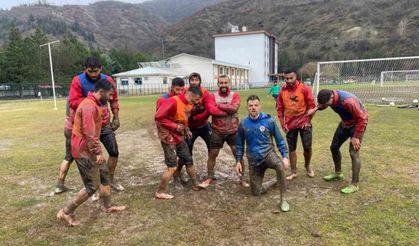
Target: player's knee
[(113, 152), (334, 148), (307, 149), (353, 153), (91, 188)]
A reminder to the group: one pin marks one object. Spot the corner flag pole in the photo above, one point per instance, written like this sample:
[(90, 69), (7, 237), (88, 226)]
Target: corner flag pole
[(52, 70)]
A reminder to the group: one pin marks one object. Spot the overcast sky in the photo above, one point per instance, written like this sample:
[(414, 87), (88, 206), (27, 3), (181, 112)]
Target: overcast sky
[(7, 4)]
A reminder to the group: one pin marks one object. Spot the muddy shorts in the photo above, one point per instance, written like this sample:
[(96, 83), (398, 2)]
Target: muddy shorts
[(173, 151), (107, 137), (67, 134), (217, 140), (306, 138), (204, 132), (92, 174), (257, 173)]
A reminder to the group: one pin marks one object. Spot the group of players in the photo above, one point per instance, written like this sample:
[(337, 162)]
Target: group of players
[(182, 115)]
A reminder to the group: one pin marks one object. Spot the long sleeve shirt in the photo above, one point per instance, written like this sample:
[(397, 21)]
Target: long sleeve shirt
[(86, 129), (200, 112), (223, 109), (169, 115), (350, 110), (258, 135), (292, 105), (81, 85)]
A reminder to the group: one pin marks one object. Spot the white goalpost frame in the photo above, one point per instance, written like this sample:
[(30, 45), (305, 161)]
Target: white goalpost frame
[(383, 73), (316, 87)]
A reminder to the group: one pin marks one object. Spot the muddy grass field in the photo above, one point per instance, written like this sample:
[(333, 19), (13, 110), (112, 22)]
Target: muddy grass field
[(383, 212)]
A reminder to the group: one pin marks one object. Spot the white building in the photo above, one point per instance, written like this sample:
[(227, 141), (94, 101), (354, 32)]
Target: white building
[(160, 74), (257, 50)]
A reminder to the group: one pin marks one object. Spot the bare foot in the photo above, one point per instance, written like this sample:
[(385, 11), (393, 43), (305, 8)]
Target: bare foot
[(68, 219), (244, 184), (159, 195), (113, 209), (292, 176), (205, 183), (310, 172)]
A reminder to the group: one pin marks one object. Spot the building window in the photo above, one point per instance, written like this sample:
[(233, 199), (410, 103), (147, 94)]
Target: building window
[(164, 80), (145, 78), (124, 82), (228, 71), (221, 72), (138, 81)]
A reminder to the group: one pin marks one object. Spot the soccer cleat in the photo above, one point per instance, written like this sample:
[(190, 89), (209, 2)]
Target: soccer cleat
[(334, 177), (284, 206), (117, 187), (61, 189), (95, 197), (350, 189)]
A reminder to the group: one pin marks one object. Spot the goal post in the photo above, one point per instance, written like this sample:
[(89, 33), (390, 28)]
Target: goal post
[(376, 81)]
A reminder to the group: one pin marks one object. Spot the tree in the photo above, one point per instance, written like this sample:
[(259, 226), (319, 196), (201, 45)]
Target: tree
[(12, 67)]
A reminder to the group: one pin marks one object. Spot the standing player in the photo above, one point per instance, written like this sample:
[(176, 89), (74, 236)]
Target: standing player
[(223, 108), (172, 124), (198, 122), (177, 88), (257, 131), (353, 125), (81, 85), (87, 152), (294, 100), (68, 159)]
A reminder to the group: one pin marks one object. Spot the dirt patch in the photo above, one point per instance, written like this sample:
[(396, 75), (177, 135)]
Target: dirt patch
[(5, 144)]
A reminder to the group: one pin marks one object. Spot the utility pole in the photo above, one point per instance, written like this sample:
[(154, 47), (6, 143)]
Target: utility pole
[(162, 48), (52, 70)]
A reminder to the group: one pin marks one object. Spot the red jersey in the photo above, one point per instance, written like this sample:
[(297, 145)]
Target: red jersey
[(172, 112), (223, 109), (292, 105), (86, 129), (81, 85)]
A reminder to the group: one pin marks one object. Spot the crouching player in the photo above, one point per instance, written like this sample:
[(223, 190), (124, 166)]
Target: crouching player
[(258, 131)]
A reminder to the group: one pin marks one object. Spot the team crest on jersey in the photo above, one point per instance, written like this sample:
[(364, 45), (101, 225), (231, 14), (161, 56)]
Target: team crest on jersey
[(262, 128)]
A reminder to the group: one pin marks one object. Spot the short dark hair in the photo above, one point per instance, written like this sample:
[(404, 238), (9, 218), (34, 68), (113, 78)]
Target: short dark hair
[(92, 61), (195, 75), (103, 84), (324, 96), (252, 98), (195, 90), (290, 70), (178, 82)]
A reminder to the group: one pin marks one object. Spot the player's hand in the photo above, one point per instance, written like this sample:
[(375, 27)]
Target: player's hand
[(100, 159), (180, 127), (356, 144), (311, 112), (115, 124), (188, 133), (286, 163), (306, 126), (239, 169)]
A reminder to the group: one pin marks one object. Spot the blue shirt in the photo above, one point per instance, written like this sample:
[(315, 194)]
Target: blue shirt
[(258, 135)]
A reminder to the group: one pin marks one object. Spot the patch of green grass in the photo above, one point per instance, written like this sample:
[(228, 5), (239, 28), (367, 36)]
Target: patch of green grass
[(383, 212)]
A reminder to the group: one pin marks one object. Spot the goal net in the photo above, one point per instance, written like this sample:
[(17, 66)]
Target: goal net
[(376, 81)]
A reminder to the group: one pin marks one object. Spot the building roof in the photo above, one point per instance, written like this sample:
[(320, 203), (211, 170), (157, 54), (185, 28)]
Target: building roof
[(149, 71), (229, 34), (216, 62)]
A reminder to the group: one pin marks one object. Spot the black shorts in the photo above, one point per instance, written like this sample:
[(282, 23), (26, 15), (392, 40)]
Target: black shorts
[(342, 134), (67, 134), (92, 174), (173, 151), (204, 132), (217, 140), (306, 138), (107, 137)]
